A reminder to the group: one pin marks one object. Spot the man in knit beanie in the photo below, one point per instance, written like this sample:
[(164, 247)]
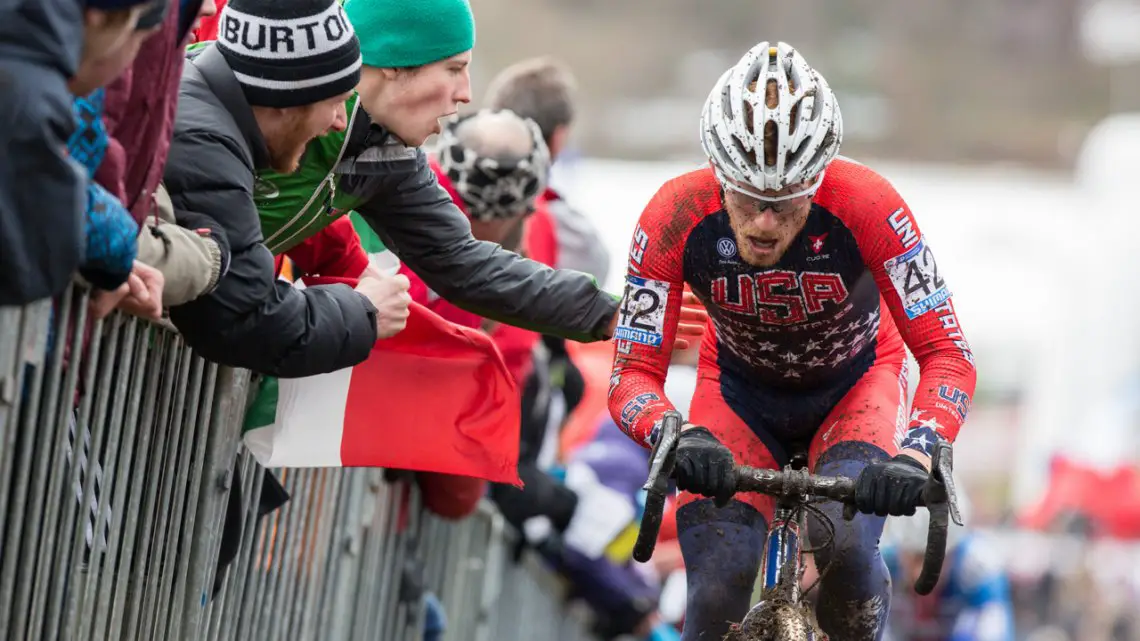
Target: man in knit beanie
[(375, 167), (276, 78), (416, 57)]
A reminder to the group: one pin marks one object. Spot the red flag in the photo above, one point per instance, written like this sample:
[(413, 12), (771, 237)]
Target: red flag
[(436, 397)]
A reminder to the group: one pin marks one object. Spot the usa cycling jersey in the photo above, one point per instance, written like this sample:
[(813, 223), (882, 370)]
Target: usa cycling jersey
[(811, 321), (971, 603)]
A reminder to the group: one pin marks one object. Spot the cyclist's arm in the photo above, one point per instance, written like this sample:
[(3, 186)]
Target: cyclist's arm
[(895, 251), (647, 319)]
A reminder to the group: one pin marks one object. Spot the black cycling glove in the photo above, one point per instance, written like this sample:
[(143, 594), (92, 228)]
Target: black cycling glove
[(891, 487), (704, 466)]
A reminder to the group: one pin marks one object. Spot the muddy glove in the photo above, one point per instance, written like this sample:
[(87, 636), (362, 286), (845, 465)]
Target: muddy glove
[(705, 466), (891, 487)]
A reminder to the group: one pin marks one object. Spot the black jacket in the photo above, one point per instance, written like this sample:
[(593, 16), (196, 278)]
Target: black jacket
[(42, 192), (252, 319)]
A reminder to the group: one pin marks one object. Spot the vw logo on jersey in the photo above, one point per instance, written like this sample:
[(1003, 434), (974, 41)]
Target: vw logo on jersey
[(726, 247)]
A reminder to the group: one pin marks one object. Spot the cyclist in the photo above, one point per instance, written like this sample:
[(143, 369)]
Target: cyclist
[(972, 600), (815, 275)]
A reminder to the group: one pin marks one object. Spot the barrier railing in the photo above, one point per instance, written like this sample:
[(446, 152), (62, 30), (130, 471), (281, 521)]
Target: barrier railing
[(129, 511)]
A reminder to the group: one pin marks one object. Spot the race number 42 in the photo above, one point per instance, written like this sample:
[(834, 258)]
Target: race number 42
[(641, 317), (915, 277)]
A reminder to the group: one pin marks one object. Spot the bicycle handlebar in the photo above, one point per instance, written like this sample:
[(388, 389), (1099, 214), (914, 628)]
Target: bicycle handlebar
[(938, 496)]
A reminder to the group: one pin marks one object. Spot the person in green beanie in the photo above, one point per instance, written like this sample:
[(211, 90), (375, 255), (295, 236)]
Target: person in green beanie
[(416, 55)]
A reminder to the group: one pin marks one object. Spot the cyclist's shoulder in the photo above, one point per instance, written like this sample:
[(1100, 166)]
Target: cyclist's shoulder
[(853, 191), (695, 191), (679, 204)]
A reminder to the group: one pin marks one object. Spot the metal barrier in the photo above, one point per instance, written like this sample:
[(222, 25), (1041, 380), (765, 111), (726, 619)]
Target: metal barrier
[(129, 511)]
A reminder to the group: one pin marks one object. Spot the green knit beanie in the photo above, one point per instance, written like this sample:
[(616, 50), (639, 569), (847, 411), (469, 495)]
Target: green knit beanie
[(410, 33)]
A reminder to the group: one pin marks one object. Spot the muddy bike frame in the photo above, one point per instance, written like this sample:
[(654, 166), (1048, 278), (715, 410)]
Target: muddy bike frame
[(780, 611)]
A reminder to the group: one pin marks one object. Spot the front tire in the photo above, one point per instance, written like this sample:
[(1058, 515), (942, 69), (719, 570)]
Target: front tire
[(775, 621)]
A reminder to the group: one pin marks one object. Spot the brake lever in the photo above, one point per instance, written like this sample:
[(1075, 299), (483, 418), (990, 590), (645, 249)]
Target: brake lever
[(656, 486), (943, 470)]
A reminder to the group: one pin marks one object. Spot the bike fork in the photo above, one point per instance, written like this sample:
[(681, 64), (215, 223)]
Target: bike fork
[(781, 567)]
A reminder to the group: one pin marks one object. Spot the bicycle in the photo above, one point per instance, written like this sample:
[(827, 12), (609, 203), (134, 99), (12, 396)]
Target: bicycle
[(780, 614)]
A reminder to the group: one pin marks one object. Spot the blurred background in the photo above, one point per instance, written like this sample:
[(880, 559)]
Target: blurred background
[(1008, 126)]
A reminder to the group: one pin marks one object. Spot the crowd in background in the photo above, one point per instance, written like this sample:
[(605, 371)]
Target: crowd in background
[(184, 201)]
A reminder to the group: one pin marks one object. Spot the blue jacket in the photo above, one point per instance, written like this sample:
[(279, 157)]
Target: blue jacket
[(111, 231)]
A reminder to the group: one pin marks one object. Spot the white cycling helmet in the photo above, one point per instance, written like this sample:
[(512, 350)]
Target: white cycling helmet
[(771, 90)]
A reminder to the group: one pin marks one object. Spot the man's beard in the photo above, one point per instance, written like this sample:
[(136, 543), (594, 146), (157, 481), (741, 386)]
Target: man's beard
[(285, 156), (286, 162)]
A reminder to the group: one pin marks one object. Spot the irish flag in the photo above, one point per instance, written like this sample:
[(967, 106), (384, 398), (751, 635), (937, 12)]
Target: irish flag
[(436, 398)]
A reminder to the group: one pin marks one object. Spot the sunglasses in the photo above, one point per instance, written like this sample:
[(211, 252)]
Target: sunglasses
[(776, 204)]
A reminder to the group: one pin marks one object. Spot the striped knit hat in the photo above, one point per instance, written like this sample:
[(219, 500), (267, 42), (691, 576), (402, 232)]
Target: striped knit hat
[(288, 53)]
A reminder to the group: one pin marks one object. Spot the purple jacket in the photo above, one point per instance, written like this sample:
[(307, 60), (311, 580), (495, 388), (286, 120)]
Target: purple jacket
[(139, 116)]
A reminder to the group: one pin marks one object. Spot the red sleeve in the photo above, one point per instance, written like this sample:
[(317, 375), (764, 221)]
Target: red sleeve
[(651, 303), (111, 173), (917, 294), (334, 251)]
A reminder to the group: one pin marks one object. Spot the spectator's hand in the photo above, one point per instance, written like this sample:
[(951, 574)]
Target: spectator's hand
[(389, 294), (145, 292), (102, 302), (371, 272), (691, 325)]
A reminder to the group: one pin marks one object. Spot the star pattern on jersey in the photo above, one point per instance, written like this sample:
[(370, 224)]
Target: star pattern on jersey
[(831, 346), (931, 423)]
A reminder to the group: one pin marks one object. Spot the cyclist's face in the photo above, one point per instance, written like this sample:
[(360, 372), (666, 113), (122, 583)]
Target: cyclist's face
[(764, 229)]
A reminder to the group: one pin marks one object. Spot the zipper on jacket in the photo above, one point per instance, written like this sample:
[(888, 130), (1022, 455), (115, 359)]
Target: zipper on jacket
[(330, 198)]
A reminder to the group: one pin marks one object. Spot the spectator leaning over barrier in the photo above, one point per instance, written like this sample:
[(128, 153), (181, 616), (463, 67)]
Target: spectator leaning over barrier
[(41, 189), (277, 79), (415, 72), (114, 31), (140, 109)]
